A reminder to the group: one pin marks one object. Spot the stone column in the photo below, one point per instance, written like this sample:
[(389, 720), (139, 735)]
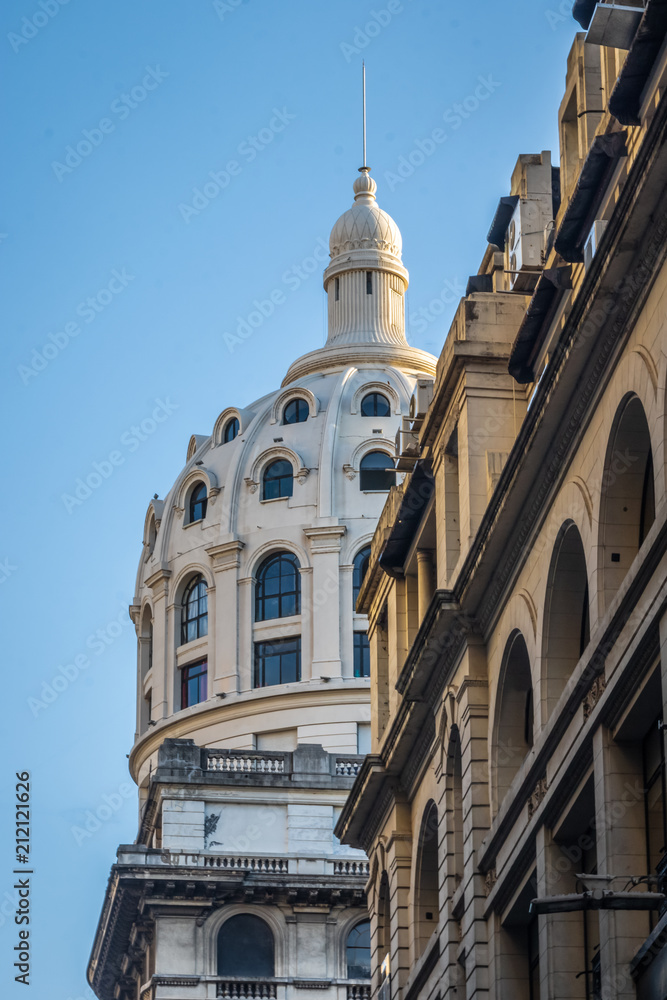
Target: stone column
[(163, 647), (561, 935), (347, 621), (473, 712), (325, 550), (424, 581), (399, 870), (245, 642), (224, 658), (621, 850)]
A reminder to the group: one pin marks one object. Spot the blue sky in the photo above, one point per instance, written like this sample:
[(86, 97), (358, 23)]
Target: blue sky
[(128, 270)]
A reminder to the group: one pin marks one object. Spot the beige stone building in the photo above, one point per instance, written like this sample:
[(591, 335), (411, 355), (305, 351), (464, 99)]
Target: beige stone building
[(513, 804)]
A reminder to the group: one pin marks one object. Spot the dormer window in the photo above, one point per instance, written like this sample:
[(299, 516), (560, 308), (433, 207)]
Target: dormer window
[(198, 500), (296, 412), (374, 404), (232, 428), (278, 480)]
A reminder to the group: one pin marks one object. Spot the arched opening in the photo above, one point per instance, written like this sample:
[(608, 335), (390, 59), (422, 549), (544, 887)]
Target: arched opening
[(383, 925), (627, 508), (232, 428), (566, 615), (152, 535), (514, 719), (278, 480), (246, 948), (375, 404), (194, 610), (198, 501), (426, 880), (296, 412), (278, 587), (145, 663), (454, 799), (358, 951), (376, 472)]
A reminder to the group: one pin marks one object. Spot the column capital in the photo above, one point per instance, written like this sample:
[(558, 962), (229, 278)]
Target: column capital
[(325, 539), (225, 556)]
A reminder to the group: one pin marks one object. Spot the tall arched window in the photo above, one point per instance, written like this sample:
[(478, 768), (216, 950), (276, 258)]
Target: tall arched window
[(232, 428), (514, 724), (374, 404), (376, 472), (358, 951), (426, 881), (359, 572), (278, 587), (566, 615), (627, 507), (296, 412), (278, 480), (198, 500), (246, 948), (194, 613)]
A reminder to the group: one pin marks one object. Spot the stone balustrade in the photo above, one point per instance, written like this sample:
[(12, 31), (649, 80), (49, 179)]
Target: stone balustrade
[(245, 763), (236, 989), (352, 868)]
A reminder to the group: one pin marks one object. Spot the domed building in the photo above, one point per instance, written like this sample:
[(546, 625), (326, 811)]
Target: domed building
[(253, 703)]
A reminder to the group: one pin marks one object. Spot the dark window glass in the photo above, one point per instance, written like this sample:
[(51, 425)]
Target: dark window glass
[(193, 684), (278, 480), (362, 655), (232, 428), (198, 502), (277, 662), (359, 951), (647, 514), (360, 567), (337, 289), (376, 472), (245, 948), (369, 282), (654, 795), (194, 620), (296, 412), (375, 405), (278, 587), (533, 960)]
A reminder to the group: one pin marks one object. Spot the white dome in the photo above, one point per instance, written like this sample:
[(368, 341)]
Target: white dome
[(365, 226)]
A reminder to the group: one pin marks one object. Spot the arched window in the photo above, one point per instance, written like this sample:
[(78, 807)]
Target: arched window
[(359, 572), (514, 724), (278, 480), (426, 883), (566, 621), (359, 951), (375, 405), (296, 412), (198, 500), (232, 428), (376, 472), (278, 587), (152, 535), (194, 616), (246, 948), (627, 508)]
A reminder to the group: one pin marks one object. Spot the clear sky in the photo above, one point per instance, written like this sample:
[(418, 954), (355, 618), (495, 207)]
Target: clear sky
[(125, 293)]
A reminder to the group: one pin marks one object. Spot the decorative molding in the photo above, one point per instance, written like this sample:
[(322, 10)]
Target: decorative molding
[(490, 880), (537, 795), (350, 472), (225, 556), (532, 610), (325, 539), (294, 392), (274, 454), (593, 695), (159, 581), (312, 984), (383, 387), (651, 366)]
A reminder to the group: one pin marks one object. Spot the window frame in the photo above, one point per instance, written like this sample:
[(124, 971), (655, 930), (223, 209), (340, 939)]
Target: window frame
[(201, 616), (389, 470), (375, 395), (197, 501), (283, 478), (301, 409), (261, 652), (201, 678), (361, 655), (349, 947), (234, 423), (261, 597)]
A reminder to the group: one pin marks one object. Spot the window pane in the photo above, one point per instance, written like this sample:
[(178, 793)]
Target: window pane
[(277, 662), (359, 952), (376, 472), (362, 655), (245, 948)]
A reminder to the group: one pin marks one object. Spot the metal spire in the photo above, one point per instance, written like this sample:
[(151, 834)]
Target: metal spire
[(363, 89)]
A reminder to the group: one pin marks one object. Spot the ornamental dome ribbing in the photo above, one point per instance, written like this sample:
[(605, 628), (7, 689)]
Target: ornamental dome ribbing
[(365, 226)]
